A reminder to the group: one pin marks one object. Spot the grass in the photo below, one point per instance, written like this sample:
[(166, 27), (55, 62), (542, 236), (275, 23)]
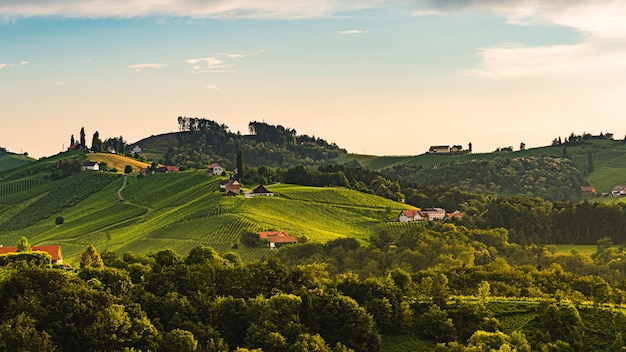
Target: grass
[(118, 162), (11, 161), (177, 211)]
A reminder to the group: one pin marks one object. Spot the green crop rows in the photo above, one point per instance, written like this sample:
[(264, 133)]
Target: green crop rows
[(12, 187)]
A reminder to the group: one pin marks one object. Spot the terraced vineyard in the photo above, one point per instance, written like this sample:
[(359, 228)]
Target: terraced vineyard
[(12, 187)]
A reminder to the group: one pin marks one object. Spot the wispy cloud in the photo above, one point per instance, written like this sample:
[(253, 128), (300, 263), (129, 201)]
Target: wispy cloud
[(212, 87), (208, 65), (3, 66), (602, 46), (234, 56), (353, 31), (140, 67), (59, 83), (10, 9)]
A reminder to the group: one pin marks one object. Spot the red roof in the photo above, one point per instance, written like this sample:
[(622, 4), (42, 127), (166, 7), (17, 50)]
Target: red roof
[(410, 213), (277, 237), (54, 251)]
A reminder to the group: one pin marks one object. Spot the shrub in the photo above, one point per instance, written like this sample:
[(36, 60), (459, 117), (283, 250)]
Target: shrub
[(59, 220)]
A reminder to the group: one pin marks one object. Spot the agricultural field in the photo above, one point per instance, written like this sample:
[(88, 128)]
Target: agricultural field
[(118, 162), (178, 211)]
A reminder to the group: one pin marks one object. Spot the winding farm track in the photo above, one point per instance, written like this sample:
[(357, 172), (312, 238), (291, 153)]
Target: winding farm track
[(119, 191)]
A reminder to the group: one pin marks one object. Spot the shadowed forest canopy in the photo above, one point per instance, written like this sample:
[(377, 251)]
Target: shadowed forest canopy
[(202, 141)]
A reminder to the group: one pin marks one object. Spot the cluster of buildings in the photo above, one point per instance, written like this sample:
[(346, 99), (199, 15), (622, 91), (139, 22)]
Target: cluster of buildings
[(427, 214)]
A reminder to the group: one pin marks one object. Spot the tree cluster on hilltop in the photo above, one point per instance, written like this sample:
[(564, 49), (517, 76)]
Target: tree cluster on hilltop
[(202, 141), (546, 177)]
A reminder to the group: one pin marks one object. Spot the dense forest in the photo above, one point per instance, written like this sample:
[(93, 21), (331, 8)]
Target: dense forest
[(202, 141), (441, 285), (546, 177)]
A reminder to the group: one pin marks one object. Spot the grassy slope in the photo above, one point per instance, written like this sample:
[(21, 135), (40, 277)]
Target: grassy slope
[(609, 162), (12, 161), (118, 162), (180, 211)]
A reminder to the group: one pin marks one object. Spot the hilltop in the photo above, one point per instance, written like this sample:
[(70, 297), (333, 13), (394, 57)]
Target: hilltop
[(10, 161)]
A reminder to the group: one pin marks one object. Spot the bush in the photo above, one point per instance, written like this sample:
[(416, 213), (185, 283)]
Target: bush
[(59, 220)]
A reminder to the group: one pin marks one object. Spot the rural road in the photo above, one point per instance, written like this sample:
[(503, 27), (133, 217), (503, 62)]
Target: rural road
[(119, 191)]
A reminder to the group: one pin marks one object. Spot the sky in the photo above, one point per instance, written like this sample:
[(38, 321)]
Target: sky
[(376, 77)]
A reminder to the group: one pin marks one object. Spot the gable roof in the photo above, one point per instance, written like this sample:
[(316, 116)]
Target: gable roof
[(90, 163), (54, 251), (410, 213), (260, 189), (214, 165), (277, 237)]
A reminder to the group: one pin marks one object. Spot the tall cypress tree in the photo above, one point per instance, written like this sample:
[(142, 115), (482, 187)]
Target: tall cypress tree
[(239, 166), (83, 143)]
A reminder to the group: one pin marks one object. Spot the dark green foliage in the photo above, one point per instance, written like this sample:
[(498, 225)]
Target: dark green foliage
[(59, 220), (39, 259), (251, 239), (546, 177), (201, 141)]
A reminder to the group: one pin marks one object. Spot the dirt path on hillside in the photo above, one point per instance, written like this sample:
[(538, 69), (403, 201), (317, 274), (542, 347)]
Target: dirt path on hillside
[(119, 191)]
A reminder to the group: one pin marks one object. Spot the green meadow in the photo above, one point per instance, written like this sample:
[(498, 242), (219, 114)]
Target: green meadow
[(177, 211)]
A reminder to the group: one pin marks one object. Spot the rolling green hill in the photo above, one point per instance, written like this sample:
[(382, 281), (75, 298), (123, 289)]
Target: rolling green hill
[(177, 211), (608, 158), (10, 161)]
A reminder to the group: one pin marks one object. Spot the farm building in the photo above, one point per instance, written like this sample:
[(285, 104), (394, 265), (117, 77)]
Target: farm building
[(277, 239), (587, 190), (54, 251), (410, 215), (91, 165), (619, 191), (434, 213), (215, 169), (439, 149), (259, 190)]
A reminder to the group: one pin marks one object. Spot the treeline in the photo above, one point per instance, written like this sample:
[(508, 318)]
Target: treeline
[(553, 179), (438, 283), (202, 141), (529, 220)]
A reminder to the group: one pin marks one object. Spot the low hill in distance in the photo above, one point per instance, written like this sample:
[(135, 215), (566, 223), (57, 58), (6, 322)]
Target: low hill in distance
[(177, 211), (10, 161)]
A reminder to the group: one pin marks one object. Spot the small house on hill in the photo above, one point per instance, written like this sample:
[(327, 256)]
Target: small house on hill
[(167, 169), (434, 213), (260, 190), (410, 215), (587, 190), (215, 169), (91, 165), (54, 251), (232, 188), (276, 239), (618, 191), (439, 149)]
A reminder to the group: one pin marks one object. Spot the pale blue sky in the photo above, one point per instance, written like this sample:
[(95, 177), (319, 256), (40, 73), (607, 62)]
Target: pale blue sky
[(377, 77)]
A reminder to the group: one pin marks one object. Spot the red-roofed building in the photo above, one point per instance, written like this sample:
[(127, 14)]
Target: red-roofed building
[(410, 215), (167, 169), (54, 251), (215, 169), (277, 238)]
